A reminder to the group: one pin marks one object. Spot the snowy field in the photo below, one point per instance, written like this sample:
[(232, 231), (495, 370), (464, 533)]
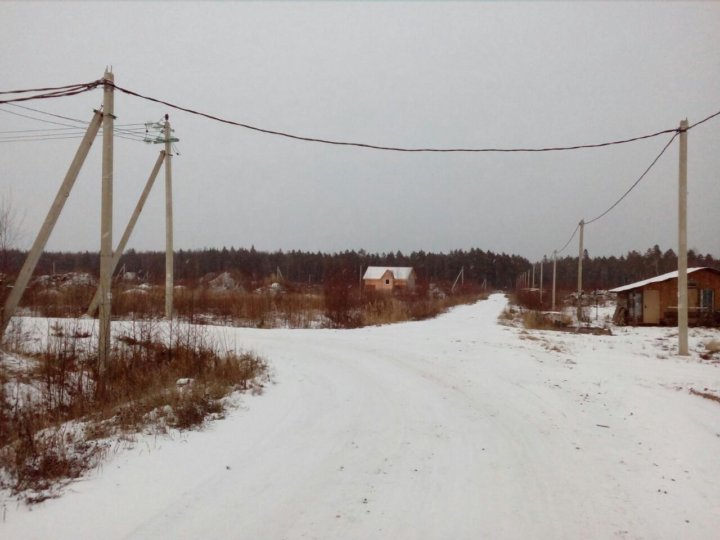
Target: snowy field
[(452, 428)]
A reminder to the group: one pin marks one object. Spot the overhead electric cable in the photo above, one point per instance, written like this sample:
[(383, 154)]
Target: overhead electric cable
[(380, 147), (654, 161), (52, 92), (67, 86), (41, 129), (703, 120), (41, 139), (47, 113), (557, 252), (140, 136), (633, 186), (39, 119), (60, 137), (62, 91)]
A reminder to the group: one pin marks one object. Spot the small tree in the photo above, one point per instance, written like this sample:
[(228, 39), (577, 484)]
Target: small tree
[(9, 230)]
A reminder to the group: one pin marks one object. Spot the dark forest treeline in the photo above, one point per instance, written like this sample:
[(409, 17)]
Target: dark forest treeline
[(297, 266), (500, 270)]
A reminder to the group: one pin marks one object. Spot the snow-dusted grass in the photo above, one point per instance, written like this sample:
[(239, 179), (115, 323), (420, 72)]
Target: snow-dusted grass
[(455, 427), (59, 414)]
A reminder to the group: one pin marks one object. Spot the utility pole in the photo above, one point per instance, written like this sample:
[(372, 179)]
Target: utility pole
[(580, 261), (48, 225), (542, 263), (554, 275), (129, 229), (461, 275), (682, 245), (106, 223), (533, 276), (168, 223)]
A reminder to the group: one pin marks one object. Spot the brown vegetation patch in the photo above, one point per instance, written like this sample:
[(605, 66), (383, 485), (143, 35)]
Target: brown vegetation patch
[(706, 394), (53, 427)]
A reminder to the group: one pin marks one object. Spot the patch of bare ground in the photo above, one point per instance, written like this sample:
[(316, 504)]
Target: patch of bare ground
[(706, 393)]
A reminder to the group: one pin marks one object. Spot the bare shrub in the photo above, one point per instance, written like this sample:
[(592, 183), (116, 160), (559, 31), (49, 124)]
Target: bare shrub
[(535, 320), (386, 309), (508, 314), (528, 298), (51, 428)]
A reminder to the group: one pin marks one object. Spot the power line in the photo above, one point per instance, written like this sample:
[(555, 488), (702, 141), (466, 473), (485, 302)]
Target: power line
[(654, 161), (38, 119), (41, 129), (703, 120), (633, 186), (47, 113), (51, 92), (60, 136), (140, 137), (51, 88), (380, 147), (41, 139), (569, 240), (63, 91)]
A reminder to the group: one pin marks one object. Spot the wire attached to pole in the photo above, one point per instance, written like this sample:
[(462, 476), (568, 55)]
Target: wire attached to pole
[(386, 148), (654, 161)]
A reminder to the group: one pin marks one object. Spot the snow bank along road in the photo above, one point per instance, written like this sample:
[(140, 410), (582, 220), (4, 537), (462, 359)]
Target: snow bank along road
[(450, 428)]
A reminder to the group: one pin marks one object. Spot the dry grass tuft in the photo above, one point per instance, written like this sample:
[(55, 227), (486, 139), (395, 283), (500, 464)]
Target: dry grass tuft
[(55, 424), (705, 394), (534, 320)]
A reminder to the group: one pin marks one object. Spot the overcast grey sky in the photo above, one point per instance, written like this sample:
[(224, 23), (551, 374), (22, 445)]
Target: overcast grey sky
[(407, 74)]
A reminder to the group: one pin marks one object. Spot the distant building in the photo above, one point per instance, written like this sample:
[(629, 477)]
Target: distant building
[(654, 300), (389, 278)]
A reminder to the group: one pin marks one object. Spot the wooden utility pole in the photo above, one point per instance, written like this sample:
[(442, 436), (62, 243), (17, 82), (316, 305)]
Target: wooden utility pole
[(129, 229), (554, 275), (106, 223), (682, 245), (168, 223), (580, 261), (48, 225)]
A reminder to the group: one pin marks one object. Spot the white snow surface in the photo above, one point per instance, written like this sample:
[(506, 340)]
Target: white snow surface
[(452, 428)]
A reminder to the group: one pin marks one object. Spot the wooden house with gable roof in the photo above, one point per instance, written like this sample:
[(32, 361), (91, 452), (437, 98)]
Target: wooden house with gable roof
[(389, 278)]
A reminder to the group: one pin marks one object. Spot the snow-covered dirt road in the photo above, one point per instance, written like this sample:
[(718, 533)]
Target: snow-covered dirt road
[(452, 428)]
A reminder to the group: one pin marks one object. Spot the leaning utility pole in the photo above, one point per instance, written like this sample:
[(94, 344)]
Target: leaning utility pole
[(38, 246), (129, 229), (106, 254), (682, 245), (168, 224), (460, 276), (580, 261)]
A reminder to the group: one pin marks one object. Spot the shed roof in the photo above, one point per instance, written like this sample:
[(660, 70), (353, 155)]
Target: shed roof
[(398, 272), (658, 279)]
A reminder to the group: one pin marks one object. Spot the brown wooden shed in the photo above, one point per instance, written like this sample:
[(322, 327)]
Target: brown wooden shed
[(654, 300)]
